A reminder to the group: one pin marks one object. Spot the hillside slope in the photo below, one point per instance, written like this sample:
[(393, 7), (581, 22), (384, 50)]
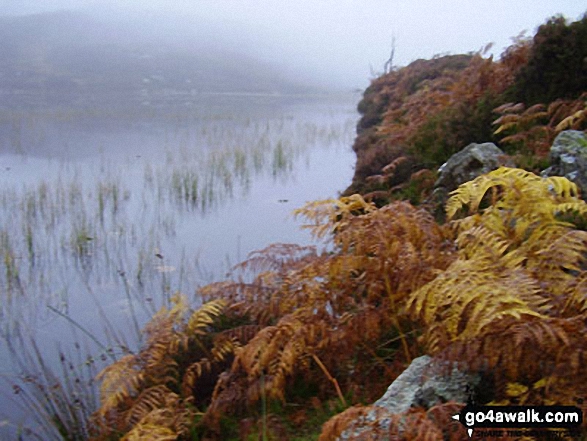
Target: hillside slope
[(68, 57), (414, 118)]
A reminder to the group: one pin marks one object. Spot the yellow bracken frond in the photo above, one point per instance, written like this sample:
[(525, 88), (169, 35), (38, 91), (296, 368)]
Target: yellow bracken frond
[(149, 400), (150, 432), (569, 121), (562, 187), (157, 425), (204, 316), (330, 215), (120, 381), (522, 206), (469, 296), (516, 389)]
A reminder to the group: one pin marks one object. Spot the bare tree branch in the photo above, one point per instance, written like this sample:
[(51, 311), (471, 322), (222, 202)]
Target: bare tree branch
[(388, 66)]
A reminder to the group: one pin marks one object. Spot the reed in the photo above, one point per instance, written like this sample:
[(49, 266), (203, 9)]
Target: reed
[(84, 236)]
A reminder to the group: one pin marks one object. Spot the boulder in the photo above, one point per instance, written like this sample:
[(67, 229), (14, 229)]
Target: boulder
[(568, 158), (425, 383), (474, 160)]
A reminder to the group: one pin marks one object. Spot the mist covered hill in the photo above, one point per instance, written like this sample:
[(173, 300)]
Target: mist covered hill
[(70, 58)]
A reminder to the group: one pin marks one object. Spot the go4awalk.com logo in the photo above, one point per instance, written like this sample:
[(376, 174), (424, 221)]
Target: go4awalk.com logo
[(510, 420)]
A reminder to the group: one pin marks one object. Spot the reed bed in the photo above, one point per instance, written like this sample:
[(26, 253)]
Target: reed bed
[(100, 240)]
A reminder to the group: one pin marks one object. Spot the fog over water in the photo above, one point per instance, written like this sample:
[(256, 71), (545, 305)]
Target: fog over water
[(335, 43)]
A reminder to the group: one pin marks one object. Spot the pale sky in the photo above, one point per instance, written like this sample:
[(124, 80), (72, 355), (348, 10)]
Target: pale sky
[(338, 41)]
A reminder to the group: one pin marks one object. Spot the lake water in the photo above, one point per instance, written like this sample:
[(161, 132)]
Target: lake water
[(106, 213)]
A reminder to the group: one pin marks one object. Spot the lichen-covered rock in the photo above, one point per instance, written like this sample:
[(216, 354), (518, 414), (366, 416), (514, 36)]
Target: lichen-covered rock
[(568, 158), (474, 160), (464, 166), (424, 383)]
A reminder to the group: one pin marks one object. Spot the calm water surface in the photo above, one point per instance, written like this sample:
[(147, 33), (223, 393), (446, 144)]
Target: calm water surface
[(106, 213)]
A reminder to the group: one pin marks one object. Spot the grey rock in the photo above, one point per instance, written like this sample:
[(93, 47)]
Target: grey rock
[(424, 383), (568, 158), (474, 160)]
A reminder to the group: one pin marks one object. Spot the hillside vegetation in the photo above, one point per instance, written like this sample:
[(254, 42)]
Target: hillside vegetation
[(297, 336), (414, 118)]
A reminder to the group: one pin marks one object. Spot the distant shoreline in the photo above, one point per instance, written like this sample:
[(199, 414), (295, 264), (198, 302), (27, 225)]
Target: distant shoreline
[(30, 100)]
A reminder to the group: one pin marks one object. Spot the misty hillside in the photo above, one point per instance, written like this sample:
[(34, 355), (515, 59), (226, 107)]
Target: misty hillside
[(68, 58)]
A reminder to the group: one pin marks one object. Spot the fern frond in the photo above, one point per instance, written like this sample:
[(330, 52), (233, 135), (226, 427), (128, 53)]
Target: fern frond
[(223, 347), (471, 193), (562, 187), (522, 195), (160, 330), (506, 126), (571, 120), (516, 389), (159, 425), (275, 257), (148, 400), (333, 214), (575, 294), (503, 108), (557, 260), (515, 138), (390, 168), (481, 243), (204, 316), (120, 382), (537, 109), (241, 334), (150, 432), (528, 350), (508, 118), (466, 300), (579, 207), (192, 373), (179, 308)]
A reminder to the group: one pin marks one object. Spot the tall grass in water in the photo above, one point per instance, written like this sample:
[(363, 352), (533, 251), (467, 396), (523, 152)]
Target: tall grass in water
[(84, 243), (60, 397), (59, 402)]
